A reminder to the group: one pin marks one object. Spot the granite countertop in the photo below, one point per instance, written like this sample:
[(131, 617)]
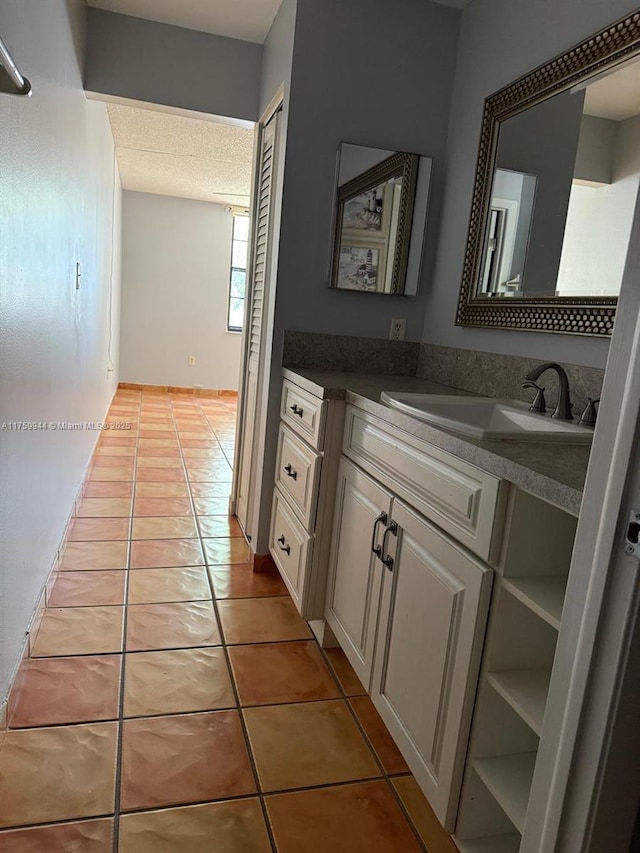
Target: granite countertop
[(553, 472)]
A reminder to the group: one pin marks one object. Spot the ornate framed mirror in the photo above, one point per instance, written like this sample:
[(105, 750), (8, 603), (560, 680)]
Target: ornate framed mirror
[(557, 181), (379, 220)]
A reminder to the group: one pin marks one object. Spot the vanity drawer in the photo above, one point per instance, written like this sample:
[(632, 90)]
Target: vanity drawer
[(297, 473), (290, 546), (460, 498), (304, 413)]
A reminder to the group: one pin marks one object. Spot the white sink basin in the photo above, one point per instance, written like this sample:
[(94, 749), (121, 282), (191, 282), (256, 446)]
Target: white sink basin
[(487, 417)]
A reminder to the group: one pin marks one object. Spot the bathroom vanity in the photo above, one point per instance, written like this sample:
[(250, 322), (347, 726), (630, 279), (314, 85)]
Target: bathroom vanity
[(440, 564)]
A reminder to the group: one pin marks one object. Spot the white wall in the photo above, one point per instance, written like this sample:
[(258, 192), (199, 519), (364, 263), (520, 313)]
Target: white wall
[(599, 221), (176, 262), (501, 40), (56, 207)]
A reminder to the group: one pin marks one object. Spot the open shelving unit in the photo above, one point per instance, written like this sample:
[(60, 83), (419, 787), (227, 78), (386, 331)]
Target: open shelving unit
[(525, 619), (491, 844), (509, 778), (545, 596), (526, 691)]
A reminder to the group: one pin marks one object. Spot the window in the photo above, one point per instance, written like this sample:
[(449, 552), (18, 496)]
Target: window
[(238, 284)]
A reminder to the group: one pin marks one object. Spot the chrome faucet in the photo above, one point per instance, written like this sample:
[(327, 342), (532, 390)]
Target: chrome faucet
[(563, 409)]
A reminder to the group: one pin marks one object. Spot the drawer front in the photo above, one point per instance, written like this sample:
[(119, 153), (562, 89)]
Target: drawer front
[(290, 546), (460, 498), (297, 474), (304, 413)]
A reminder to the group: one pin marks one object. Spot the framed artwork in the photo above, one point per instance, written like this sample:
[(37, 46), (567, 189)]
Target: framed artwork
[(373, 226)]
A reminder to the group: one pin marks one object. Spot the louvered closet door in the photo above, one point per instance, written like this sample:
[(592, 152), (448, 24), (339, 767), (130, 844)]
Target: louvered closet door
[(254, 318)]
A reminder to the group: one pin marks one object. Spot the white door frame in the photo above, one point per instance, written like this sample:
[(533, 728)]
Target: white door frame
[(588, 690), (266, 336)]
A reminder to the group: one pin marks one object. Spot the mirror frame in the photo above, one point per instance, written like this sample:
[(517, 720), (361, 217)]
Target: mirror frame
[(560, 314), (400, 165)]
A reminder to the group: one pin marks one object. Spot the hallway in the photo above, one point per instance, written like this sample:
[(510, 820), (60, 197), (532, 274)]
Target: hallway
[(174, 701)]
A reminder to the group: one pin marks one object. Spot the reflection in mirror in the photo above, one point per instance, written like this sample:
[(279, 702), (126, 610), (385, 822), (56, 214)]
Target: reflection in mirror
[(557, 178), (508, 229), (565, 184), (380, 217)]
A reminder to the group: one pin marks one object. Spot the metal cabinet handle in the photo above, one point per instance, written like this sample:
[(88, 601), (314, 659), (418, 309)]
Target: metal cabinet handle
[(297, 410), (377, 549), (283, 547), (393, 529), (291, 472)]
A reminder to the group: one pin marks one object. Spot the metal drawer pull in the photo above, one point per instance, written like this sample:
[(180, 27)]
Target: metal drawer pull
[(393, 529), (377, 549), (283, 547), (297, 410), (291, 471)]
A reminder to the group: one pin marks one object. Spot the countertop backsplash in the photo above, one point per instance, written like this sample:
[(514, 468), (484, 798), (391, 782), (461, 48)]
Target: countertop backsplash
[(313, 351), (495, 375), (485, 373)]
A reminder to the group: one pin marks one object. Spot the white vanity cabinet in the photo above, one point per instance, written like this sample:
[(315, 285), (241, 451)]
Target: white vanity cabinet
[(309, 441), (363, 509), (407, 603)]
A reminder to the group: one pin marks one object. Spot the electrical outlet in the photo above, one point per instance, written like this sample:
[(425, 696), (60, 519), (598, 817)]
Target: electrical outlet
[(396, 332), (192, 360)]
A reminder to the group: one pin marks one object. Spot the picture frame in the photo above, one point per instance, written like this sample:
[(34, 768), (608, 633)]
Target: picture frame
[(374, 214), (360, 264)]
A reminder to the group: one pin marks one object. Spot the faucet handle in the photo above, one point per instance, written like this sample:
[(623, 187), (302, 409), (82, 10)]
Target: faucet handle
[(590, 414), (539, 403)]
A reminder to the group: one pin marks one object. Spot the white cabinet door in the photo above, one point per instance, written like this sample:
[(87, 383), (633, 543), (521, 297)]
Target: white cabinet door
[(433, 613), (355, 572)]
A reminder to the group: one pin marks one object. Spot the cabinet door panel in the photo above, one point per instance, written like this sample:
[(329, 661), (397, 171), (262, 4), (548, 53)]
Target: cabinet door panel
[(290, 547), (432, 620), (355, 573)]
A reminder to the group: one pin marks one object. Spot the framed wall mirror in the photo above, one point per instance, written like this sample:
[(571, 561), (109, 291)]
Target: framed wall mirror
[(557, 181), (379, 220)]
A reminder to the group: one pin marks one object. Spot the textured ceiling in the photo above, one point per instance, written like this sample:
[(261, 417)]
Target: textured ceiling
[(249, 20), (190, 158)]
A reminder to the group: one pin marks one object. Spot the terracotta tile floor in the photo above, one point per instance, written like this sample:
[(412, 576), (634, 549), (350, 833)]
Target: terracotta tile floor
[(174, 700)]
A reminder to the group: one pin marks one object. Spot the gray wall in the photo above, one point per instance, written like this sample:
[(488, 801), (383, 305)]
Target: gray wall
[(371, 72), (176, 264), (501, 40), (277, 69), (277, 55), (543, 142), (60, 204), (395, 95), (162, 64), (594, 158)]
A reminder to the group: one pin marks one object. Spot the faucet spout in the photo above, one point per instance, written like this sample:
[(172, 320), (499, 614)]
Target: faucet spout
[(563, 409)]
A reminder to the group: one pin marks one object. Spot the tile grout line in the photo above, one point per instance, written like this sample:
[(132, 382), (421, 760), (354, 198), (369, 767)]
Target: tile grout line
[(386, 776), (238, 709), (118, 780), (260, 794)]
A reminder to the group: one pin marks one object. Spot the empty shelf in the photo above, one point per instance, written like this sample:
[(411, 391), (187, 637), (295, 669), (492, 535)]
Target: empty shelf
[(526, 691), (494, 844), (508, 777), (544, 595)]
